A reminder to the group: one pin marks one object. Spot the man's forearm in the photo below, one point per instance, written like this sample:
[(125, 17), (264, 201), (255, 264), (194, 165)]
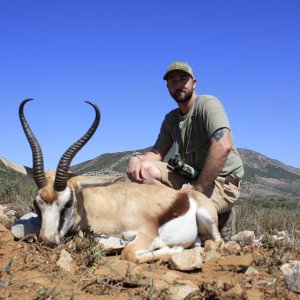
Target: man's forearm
[(215, 160), (213, 166), (149, 155)]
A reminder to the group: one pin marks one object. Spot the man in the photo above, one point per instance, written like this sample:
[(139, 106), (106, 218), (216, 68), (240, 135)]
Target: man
[(200, 132)]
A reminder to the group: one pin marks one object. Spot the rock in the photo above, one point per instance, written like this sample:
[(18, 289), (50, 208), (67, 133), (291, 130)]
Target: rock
[(65, 261), (210, 255), (160, 286), (254, 294), (27, 224), (211, 245), (5, 235), (235, 263), (290, 266), (251, 271), (232, 247), (120, 270), (182, 290), (292, 277), (170, 277), (293, 281), (10, 213), (6, 213), (245, 237), (230, 263), (111, 244), (186, 260), (233, 293)]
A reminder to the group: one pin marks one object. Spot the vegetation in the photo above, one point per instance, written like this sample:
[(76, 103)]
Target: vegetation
[(270, 171), (270, 215), (17, 190)]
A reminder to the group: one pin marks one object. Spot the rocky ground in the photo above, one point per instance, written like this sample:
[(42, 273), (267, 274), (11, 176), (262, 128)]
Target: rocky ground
[(246, 268)]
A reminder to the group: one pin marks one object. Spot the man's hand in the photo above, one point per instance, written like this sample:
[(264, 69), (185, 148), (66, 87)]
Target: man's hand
[(134, 169)]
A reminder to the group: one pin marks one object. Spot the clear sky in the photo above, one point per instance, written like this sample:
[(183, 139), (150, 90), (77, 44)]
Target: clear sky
[(114, 53)]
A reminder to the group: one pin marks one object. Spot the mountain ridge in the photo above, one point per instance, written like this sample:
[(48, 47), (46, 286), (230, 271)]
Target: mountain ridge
[(264, 177)]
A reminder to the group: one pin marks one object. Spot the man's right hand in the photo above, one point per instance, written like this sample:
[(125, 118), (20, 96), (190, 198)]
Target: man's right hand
[(134, 169)]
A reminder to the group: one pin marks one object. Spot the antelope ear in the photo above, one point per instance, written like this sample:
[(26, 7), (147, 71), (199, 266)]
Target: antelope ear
[(82, 182)]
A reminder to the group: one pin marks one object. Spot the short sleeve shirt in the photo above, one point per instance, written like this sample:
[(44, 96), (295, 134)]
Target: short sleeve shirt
[(192, 132)]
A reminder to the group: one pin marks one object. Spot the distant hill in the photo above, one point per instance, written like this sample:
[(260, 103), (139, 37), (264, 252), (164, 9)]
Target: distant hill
[(264, 177)]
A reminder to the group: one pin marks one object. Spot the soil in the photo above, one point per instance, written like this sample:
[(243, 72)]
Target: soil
[(30, 270)]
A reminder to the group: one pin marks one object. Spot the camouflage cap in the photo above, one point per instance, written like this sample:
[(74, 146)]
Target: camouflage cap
[(179, 65)]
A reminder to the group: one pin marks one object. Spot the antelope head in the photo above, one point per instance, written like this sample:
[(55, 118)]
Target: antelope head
[(55, 201)]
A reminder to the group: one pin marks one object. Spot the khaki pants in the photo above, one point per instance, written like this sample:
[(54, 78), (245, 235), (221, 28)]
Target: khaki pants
[(224, 195)]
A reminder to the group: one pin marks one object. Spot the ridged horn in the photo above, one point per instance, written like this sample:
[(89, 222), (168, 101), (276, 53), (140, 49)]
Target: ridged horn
[(37, 155), (63, 167)]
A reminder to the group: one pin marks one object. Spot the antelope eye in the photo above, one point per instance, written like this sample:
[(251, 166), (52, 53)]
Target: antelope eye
[(69, 204)]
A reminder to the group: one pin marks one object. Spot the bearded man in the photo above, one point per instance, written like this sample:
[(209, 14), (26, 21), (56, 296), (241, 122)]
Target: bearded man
[(205, 157)]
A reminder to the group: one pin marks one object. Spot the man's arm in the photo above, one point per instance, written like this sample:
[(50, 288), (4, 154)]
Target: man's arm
[(135, 169), (219, 149)]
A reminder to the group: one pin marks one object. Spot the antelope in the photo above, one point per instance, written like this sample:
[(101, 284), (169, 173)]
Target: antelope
[(155, 220)]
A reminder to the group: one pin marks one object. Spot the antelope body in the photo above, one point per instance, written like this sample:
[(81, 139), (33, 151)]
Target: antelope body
[(155, 219)]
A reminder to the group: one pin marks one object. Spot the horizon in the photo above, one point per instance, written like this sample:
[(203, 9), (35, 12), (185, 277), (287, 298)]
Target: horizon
[(246, 53)]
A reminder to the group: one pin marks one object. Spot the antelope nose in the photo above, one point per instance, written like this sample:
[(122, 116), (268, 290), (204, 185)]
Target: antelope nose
[(52, 239)]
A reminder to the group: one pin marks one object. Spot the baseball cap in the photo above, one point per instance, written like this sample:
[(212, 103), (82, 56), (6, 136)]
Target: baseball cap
[(179, 65)]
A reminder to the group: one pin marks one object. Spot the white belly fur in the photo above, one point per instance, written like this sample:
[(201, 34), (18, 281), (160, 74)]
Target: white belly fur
[(181, 231)]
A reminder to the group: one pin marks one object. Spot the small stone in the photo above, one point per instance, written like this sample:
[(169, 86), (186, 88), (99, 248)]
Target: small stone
[(246, 236), (186, 260), (27, 224), (182, 290), (65, 261), (111, 244)]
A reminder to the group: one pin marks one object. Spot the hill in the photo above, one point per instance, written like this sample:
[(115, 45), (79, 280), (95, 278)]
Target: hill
[(264, 177)]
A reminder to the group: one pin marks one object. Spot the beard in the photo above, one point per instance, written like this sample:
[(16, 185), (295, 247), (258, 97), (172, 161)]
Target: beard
[(182, 97)]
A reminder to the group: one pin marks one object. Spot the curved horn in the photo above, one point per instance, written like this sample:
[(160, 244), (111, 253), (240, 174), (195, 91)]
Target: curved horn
[(37, 155), (65, 161)]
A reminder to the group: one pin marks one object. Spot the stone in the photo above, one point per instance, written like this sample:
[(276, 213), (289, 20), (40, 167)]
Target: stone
[(235, 263), (111, 244), (251, 271), (182, 290), (292, 279), (232, 247), (186, 260), (207, 256), (30, 223), (170, 277), (233, 293), (246, 236), (65, 261), (290, 266), (120, 270)]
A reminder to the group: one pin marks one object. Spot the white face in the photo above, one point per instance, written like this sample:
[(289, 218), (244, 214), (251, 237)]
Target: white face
[(56, 216)]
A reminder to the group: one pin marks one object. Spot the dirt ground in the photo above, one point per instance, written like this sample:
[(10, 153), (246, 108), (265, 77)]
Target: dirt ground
[(30, 270)]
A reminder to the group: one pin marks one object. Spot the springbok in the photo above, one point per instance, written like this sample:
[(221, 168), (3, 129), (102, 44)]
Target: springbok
[(155, 219)]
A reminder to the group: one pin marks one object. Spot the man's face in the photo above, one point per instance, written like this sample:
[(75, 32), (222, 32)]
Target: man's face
[(181, 86)]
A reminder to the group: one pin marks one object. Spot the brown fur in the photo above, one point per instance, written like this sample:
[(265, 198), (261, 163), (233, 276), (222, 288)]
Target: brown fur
[(178, 208), (48, 194)]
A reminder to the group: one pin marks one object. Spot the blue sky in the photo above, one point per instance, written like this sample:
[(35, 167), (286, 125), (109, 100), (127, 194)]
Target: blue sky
[(114, 53)]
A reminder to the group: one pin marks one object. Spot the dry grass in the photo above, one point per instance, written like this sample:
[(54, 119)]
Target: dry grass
[(265, 218)]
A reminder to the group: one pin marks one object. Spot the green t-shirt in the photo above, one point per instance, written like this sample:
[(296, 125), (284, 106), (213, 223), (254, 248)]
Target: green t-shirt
[(207, 116)]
